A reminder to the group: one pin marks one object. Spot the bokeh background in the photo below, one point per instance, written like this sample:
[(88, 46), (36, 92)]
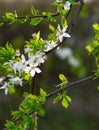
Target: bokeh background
[(71, 59)]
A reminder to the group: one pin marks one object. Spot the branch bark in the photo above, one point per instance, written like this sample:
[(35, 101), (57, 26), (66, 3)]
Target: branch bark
[(69, 85)]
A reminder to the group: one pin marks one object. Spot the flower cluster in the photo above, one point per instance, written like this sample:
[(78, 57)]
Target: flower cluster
[(61, 33), (24, 66)]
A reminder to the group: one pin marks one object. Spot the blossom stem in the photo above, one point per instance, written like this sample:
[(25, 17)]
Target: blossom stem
[(33, 84)]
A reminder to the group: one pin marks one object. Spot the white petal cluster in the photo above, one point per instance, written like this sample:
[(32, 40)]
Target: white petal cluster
[(50, 45), (61, 33), (67, 5)]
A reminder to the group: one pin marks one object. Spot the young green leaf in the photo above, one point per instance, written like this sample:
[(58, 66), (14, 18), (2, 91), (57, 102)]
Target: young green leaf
[(35, 21), (43, 93), (21, 21), (65, 102), (68, 98), (9, 17), (63, 78), (73, 2), (51, 28), (10, 125), (11, 90), (96, 27), (7, 53), (34, 11), (57, 98), (63, 22)]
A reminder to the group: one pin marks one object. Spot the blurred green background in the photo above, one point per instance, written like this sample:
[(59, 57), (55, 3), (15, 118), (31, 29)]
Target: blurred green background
[(83, 112)]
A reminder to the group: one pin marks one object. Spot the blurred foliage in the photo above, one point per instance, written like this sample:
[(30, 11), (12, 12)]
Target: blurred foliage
[(80, 117)]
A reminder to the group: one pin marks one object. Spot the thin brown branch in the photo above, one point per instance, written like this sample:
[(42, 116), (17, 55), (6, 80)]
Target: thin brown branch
[(70, 85), (75, 16), (38, 16), (33, 16), (33, 84)]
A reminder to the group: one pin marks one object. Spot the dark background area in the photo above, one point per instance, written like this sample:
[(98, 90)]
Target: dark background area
[(83, 112)]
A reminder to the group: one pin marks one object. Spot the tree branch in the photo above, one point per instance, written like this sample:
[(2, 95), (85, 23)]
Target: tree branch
[(34, 16), (69, 85), (73, 21), (33, 84)]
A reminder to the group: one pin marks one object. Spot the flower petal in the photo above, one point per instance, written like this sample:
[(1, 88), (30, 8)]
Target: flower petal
[(27, 69), (32, 72), (66, 35), (37, 70)]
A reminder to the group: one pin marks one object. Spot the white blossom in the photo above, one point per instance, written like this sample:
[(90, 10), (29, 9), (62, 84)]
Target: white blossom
[(67, 5), (61, 33), (18, 66), (16, 80), (40, 57), (32, 69), (27, 50), (50, 45), (5, 86)]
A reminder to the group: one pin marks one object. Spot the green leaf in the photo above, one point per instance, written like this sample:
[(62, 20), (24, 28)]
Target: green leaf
[(57, 98), (11, 90), (34, 11), (73, 2), (41, 112), (7, 53), (65, 102), (49, 16), (51, 28), (60, 8), (62, 77), (17, 114), (96, 27), (21, 20), (10, 125), (43, 93), (28, 120), (51, 37), (63, 22), (35, 44), (9, 17), (35, 21), (89, 48), (68, 98)]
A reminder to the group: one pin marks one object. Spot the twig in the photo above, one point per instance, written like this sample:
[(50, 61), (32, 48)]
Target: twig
[(75, 16), (73, 21), (70, 85), (34, 16), (33, 84)]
